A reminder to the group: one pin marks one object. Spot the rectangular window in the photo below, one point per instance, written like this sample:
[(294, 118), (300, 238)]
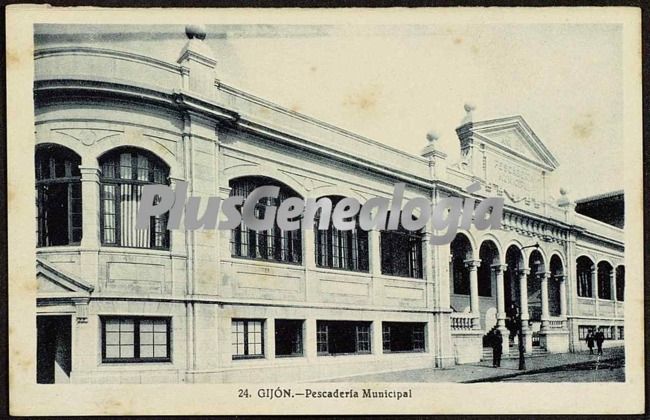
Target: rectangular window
[(322, 333), (247, 338), (288, 337), (58, 213), (363, 338), (136, 339), (343, 337), (345, 250), (403, 336), (120, 203), (608, 332), (401, 253), (583, 330), (621, 333)]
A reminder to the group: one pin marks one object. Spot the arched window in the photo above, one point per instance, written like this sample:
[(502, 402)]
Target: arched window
[(343, 249), (620, 283), (58, 196), (461, 251), (401, 252), (536, 266), (274, 244), (124, 172), (583, 275), (489, 255), (554, 286), (604, 280)]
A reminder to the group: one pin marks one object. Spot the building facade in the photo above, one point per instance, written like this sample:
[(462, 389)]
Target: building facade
[(120, 305)]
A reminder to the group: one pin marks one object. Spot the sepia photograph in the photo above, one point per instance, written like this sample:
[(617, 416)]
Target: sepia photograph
[(290, 211)]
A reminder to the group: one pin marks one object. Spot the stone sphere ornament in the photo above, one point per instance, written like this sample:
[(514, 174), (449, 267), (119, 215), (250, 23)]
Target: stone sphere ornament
[(196, 31)]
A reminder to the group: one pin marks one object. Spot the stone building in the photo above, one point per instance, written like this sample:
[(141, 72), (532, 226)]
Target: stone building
[(116, 304)]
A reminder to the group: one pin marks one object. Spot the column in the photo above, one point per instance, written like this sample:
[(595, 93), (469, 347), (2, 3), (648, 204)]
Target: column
[(501, 298), (523, 297), (472, 266), (90, 207), (501, 306), (594, 288), (374, 239), (91, 227), (374, 263), (309, 339), (376, 337), (563, 309), (544, 291), (309, 261), (612, 288), (179, 254), (269, 340), (428, 269)]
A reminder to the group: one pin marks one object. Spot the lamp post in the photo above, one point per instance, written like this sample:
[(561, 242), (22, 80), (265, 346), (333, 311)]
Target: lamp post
[(519, 322)]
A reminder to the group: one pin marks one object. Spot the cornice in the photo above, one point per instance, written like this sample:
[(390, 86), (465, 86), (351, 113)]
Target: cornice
[(105, 52)]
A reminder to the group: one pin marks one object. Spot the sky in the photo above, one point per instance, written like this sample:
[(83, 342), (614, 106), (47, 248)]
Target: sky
[(394, 83)]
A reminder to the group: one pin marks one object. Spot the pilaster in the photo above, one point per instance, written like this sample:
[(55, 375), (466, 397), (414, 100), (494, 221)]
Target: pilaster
[(91, 227)]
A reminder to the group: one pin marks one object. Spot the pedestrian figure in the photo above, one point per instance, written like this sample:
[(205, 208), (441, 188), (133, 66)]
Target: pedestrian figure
[(599, 337), (590, 341), (497, 348)]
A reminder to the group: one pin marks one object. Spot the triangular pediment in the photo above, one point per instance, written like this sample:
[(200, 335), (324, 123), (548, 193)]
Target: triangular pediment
[(512, 135), (53, 280)]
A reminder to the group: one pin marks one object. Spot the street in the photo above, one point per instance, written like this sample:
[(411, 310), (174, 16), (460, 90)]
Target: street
[(608, 371), (560, 367)]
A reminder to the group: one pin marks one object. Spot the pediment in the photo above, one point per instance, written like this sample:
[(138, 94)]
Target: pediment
[(513, 136), (52, 280)]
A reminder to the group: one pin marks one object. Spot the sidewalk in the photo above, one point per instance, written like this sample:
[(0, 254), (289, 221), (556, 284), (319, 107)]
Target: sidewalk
[(484, 372)]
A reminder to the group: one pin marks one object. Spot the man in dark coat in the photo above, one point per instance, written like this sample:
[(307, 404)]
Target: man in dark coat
[(497, 343), (599, 337), (590, 341)]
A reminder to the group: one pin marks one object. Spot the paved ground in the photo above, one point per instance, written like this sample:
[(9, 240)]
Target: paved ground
[(566, 367), (603, 372)]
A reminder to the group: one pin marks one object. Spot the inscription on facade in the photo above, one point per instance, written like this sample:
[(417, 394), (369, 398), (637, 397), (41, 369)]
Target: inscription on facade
[(513, 177)]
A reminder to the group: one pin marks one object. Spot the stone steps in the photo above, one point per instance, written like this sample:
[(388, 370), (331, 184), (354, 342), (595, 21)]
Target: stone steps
[(514, 353)]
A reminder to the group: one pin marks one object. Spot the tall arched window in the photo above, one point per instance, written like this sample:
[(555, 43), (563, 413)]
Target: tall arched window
[(461, 250), (124, 172), (489, 255), (583, 276), (58, 196), (620, 283), (343, 249), (604, 280), (274, 244)]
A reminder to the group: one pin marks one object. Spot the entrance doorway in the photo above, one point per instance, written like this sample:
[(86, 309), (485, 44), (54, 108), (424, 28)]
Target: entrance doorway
[(54, 349)]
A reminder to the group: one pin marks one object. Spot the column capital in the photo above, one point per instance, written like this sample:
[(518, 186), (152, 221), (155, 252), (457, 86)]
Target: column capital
[(499, 267), (472, 264), (524, 271), (559, 277), (543, 274), (89, 172), (224, 191), (173, 180)]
